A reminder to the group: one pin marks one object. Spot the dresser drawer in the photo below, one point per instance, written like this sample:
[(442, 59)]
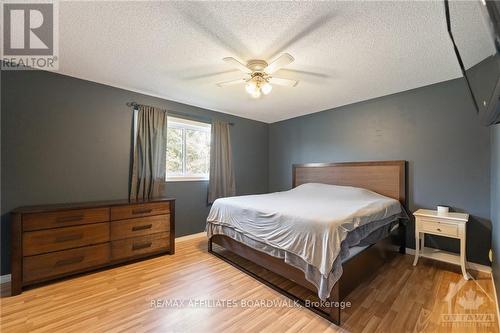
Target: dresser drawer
[(139, 210), (38, 221), (131, 247), (42, 241), (61, 262), (140, 226), (438, 228)]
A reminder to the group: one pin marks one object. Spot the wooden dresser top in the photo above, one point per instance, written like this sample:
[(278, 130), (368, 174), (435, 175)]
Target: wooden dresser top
[(94, 204)]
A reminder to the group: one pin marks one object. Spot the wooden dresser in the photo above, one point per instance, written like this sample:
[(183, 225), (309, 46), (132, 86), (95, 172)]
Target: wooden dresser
[(53, 241)]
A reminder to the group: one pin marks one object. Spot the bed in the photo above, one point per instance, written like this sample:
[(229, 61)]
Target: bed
[(316, 242)]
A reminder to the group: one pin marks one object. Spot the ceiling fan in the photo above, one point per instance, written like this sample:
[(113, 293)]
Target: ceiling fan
[(259, 79)]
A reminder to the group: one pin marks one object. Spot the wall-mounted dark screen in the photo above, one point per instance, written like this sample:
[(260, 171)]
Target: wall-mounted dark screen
[(474, 28)]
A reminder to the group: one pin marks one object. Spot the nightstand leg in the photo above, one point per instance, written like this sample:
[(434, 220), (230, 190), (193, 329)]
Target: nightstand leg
[(417, 248), (462, 258)]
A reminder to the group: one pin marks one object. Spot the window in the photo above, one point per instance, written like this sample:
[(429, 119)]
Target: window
[(188, 150)]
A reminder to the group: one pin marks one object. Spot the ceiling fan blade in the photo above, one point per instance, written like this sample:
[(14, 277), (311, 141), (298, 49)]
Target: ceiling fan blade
[(283, 82), (210, 74), (279, 63), (299, 72), (231, 82), (236, 64)]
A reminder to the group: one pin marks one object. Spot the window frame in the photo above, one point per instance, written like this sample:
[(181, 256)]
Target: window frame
[(187, 124)]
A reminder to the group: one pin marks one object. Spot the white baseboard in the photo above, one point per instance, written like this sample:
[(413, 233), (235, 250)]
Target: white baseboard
[(471, 265), (189, 237), (479, 267), (5, 278)]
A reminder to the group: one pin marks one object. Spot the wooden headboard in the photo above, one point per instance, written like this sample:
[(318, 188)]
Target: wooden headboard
[(384, 177)]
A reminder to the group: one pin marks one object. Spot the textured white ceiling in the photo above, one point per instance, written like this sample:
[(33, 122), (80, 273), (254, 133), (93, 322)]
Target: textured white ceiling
[(174, 50)]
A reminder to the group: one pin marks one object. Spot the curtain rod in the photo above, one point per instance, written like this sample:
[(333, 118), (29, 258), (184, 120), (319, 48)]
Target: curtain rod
[(135, 105)]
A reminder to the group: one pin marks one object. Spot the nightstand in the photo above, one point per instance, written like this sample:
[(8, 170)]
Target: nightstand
[(443, 224)]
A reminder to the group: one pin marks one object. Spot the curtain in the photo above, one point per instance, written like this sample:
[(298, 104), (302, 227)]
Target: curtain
[(150, 153), (221, 182)]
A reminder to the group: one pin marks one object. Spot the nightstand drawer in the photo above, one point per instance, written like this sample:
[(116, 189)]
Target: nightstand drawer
[(438, 228)]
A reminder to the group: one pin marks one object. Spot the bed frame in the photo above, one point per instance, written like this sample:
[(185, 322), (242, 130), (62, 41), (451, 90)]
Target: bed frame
[(384, 177)]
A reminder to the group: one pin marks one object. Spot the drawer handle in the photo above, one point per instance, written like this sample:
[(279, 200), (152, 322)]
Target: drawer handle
[(70, 261), (142, 211), (139, 246), (70, 218), (438, 229), (68, 238), (142, 227)]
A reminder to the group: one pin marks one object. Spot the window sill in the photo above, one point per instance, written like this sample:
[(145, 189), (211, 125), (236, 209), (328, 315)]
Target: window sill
[(186, 179)]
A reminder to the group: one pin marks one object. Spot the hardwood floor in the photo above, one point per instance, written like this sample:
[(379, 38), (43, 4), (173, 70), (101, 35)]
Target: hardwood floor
[(401, 298)]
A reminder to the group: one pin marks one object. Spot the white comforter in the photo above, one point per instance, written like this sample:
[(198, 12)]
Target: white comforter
[(310, 221)]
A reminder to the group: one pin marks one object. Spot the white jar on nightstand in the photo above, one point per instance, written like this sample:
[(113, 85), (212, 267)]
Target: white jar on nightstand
[(451, 225)]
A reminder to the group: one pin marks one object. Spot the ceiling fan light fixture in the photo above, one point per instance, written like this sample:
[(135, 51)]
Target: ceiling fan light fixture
[(251, 87), (256, 93), (266, 88), (260, 81)]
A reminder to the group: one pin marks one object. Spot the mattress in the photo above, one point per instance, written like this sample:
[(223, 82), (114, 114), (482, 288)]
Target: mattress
[(353, 251), (311, 226), (371, 239), (323, 283)]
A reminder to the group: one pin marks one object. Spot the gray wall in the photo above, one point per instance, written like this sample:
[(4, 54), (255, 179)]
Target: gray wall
[(435, 128), (68, 140), (495, 203)]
